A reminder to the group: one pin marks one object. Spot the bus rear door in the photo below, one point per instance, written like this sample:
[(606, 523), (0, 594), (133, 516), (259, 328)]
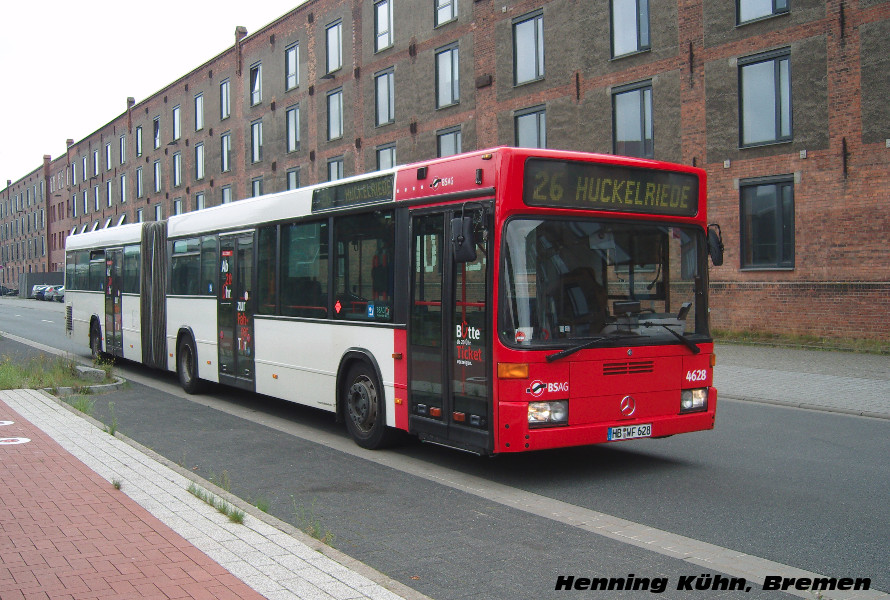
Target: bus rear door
[(235, 310), (449, 350), (114, 337)]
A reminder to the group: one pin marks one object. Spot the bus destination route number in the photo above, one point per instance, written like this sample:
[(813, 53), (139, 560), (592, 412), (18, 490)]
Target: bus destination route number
[(597, 186)]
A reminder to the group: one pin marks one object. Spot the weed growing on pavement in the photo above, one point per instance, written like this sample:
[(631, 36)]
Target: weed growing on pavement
[(309, 523), (116, 483), (82, 404), (111, 428), (234, 515)]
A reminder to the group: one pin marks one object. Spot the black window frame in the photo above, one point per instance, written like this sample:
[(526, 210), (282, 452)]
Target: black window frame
[(775, 57), (780, 229)]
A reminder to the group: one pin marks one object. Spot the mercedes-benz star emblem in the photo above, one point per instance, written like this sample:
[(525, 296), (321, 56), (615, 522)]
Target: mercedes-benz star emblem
[(628, 406)]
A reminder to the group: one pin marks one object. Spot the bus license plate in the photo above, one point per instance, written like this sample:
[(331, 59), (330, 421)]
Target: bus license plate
[(629, 432)]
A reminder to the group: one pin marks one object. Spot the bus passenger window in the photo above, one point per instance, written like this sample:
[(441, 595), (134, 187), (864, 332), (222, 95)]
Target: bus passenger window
[(364, 268)]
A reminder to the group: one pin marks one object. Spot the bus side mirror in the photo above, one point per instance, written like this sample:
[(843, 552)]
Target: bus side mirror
[(715, 244), (463, 246)]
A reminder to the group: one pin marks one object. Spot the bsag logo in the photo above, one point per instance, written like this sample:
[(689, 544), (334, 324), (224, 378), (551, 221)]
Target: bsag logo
[(538, 387)]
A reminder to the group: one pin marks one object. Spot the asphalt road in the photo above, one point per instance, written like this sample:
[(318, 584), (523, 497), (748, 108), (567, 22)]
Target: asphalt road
[(801, 488)]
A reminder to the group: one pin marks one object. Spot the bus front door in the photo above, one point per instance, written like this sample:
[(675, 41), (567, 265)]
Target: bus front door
[(449, 339), (235, 310), (114, 337)]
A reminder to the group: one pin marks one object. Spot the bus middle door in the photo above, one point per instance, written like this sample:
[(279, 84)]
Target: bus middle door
[(449, 349), (235, 310), (114, 340)]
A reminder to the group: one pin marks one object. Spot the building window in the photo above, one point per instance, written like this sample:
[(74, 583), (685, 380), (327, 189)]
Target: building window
[(256, 141), (293, 179), (256, 187), (95, 199), (177, 122), (292, 122), (86, 202), (140, 218), (200, 202), (225, 152), (334, 46), (630, 26), (156, 128), (139, 140), (83, 168), (445, 11), (382, 25), (386, 157), (123, 188), (177, 206), (632, 121), (528, 48), (226, 194), (177, 169), (256, 84), (291, 67), (108, 195), (767, 223), (384, 83), (108, 157), (159, 212), (122, 148), (335, 114), (199, 112), (199, 161), (95, 167), (752, 10), (765, 85), (157, 174), (531, 127), (447, 77), (335, 168), (448, 141), (139, 189), (225, 107)]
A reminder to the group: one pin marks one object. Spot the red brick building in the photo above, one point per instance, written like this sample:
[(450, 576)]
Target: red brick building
[(783, 102)]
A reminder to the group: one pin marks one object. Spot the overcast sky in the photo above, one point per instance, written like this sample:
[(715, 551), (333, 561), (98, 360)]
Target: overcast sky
[(67, 68)]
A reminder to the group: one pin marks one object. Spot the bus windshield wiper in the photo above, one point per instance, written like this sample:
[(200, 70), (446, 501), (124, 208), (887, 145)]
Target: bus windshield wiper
[(686, 341), (568, 351)]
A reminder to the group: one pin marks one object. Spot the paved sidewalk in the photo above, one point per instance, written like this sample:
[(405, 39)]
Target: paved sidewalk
[(66, 532), (843, 382)]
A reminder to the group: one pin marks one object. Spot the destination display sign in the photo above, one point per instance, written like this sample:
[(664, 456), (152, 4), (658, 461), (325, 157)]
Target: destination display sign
[(597, 186), (353, 193)]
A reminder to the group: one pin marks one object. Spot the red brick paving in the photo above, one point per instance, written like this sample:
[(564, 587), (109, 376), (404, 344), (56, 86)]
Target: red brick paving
[(66, 533)]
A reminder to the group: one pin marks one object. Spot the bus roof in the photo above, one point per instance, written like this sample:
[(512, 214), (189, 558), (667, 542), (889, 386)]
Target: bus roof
[(108, 237)]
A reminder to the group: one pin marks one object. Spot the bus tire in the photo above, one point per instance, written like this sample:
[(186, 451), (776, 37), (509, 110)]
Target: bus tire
[(187, 366), (95, 341), (363, 408)]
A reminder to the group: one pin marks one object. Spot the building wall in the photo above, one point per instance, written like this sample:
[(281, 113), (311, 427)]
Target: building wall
[(837, 158)]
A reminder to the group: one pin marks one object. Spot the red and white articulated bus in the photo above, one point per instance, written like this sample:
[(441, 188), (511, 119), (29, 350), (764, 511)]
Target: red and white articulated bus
[(495, 301)]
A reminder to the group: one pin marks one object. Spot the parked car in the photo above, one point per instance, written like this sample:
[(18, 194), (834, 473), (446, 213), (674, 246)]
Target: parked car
[(60, 294), (37, 291), (50, 292)]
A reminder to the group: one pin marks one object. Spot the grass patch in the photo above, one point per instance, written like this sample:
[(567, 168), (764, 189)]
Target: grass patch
[(41, 371), (83, 404), (808, 342), (234, 515)]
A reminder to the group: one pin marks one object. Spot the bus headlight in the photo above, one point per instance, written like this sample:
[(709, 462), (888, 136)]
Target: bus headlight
[(542, 414), (693, 400)]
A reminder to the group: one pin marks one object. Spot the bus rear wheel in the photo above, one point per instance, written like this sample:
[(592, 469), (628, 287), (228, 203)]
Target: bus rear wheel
[(364, 410), (187, 366)]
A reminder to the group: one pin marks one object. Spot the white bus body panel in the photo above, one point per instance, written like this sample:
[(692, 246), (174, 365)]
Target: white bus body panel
[(198, 315), (131, 326), (297, 360), (84, 306)]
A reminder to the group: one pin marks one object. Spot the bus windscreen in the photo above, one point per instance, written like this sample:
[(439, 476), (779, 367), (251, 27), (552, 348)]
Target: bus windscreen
[(597, 186)]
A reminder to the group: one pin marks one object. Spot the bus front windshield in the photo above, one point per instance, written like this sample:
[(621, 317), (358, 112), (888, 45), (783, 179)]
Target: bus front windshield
[(567, 281)]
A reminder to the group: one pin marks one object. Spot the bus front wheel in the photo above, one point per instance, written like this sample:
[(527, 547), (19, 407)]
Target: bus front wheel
[(95, 341), (363, 408)]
